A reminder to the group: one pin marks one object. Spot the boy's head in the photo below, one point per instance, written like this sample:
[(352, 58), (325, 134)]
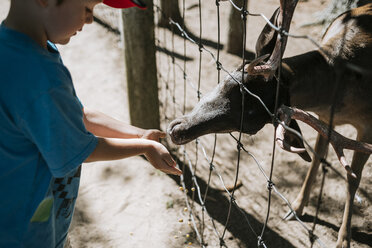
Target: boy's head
[(62, 19)]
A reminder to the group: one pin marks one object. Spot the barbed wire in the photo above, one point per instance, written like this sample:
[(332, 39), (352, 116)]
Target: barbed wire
[(185, 35), (270, 183)]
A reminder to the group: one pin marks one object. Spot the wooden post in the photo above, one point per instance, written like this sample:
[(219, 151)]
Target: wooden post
[(140, 61)]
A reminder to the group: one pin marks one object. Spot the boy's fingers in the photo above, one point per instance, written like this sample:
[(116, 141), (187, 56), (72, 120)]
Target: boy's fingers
[(172, 167), (176, 171), (170, 161)]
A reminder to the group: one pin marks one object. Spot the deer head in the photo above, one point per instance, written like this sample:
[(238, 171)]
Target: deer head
[(219, 111)]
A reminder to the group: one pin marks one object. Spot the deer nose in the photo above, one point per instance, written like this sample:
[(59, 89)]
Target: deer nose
[(172, 126), (176, 132)]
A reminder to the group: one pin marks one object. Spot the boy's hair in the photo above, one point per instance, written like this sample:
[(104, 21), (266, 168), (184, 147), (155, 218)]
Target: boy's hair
[(59, 2)]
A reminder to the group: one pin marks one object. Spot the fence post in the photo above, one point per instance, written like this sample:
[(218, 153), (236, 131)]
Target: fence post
[(140, 61)]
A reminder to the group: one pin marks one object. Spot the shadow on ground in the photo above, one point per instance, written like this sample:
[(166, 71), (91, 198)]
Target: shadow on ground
[(356, 235), (173, 54), (217, 205)]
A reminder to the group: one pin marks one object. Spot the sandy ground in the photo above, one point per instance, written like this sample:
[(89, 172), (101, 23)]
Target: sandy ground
[(129, 204)]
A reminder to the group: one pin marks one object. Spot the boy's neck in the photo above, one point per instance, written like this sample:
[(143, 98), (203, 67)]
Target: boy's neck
[(22, 18)]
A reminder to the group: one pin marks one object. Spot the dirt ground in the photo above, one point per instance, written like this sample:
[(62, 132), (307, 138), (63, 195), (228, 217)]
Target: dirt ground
[(127, 203)]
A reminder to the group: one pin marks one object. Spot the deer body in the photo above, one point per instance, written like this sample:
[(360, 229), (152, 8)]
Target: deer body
[(310, 76), (308, 81)]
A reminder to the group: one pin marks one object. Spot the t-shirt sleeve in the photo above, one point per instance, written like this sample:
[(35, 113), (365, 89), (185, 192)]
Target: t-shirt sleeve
[(54, 123)]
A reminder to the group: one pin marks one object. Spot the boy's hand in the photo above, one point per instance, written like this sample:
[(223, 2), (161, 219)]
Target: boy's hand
[(153, 134), (160, 158)]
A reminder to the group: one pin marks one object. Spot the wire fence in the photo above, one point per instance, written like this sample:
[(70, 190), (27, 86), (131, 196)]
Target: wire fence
[(178, 106), (199, 218), (232, 201)]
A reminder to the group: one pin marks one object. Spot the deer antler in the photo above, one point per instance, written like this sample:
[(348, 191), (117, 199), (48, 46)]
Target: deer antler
[(254, 69), (267, 70), (280, 131), (338, 142)]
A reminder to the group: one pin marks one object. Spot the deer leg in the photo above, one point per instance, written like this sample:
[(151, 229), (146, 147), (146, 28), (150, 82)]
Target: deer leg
[(321, 148), (357, 164)]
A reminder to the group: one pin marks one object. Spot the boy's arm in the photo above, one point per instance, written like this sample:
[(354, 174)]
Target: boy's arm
[(156, 153), (102, 125)]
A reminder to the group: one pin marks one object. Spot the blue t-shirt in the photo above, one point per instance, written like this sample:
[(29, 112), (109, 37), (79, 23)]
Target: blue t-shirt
[(43, 142)]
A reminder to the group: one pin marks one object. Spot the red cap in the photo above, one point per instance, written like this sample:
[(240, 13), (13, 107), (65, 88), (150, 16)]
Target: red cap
[(123, 4)]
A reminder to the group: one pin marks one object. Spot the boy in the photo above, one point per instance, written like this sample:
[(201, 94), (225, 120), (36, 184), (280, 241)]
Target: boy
[(45, 133)]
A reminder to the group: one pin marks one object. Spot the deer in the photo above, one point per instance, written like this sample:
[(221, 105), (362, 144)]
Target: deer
[(307, 82)]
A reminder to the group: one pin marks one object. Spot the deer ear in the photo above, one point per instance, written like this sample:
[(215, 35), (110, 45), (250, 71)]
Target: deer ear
[(266, 41), (293, 140)]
